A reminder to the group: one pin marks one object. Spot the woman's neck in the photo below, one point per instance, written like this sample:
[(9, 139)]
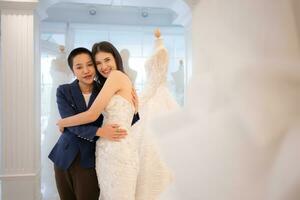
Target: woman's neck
[(85, 89)]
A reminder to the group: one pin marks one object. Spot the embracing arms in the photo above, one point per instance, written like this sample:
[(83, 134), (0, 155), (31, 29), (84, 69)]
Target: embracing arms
[(113, 84)]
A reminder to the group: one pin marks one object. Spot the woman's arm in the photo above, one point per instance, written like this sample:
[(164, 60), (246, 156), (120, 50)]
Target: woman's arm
[(65, 108), (112, 85)]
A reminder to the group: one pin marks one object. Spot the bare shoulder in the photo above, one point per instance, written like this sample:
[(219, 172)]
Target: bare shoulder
[(116, 73), (119, 75)]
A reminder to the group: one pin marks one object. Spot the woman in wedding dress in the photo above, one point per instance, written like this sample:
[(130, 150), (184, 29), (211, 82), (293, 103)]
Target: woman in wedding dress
[(118, 164)]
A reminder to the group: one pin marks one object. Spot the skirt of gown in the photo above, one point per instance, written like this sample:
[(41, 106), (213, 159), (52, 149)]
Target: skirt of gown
[(132, 169)]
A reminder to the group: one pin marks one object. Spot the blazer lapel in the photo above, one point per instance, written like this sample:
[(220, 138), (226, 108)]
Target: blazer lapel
[(96, 90), (78, 97)]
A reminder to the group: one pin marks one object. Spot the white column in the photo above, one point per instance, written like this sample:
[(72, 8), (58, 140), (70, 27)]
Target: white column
[(20, 119)]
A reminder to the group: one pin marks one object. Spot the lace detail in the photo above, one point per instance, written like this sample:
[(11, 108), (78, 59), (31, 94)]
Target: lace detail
[(119, 110), (119, 164), (154, 175), (156, 69), (156, 99)]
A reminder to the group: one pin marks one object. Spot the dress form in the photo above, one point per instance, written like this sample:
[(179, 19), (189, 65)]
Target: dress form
[(125, 54), (60, 65), (178, 77), (156, 68)]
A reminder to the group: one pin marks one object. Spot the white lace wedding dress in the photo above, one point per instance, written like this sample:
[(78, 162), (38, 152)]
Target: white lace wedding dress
[(156, 98), (122, 174), (157, 102)]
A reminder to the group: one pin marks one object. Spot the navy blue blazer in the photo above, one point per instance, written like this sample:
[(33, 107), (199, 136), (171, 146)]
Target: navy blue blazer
[(77, 139)]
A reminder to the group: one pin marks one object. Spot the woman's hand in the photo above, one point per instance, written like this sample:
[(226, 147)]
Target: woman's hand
[(60, 127), (112, 132)]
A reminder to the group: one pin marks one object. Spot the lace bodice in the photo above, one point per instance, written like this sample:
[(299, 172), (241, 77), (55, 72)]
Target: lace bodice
[(156, 69), (117, 162), (122, 175), (157, 66), (119, 111)]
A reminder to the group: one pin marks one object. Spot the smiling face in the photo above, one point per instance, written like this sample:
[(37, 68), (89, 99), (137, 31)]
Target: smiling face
[(83, 68), (105, 63)]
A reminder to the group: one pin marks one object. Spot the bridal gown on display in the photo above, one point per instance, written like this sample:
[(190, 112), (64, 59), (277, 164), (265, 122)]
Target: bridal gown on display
[(156, 98), (156, 101)]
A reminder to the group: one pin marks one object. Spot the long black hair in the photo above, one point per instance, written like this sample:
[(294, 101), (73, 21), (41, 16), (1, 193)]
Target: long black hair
[(107, 47)]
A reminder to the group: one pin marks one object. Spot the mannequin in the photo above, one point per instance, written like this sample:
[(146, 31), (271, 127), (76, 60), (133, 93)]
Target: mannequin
[(178, 77), (59, 65), (125, 54)]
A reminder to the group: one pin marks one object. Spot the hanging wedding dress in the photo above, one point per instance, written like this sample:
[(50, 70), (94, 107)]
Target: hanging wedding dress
[(238, 136), (156, 99)]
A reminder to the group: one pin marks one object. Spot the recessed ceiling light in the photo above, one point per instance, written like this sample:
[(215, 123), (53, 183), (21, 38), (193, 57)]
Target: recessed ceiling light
[(92, 11), (144, 13)]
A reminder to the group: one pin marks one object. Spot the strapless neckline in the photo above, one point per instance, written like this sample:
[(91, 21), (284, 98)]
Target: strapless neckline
[(124, 99)]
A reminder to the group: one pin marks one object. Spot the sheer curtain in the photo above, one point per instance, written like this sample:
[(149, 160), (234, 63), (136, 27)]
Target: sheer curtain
[(50, 79)]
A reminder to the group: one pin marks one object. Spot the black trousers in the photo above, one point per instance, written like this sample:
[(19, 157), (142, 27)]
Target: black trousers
[(77, 183)]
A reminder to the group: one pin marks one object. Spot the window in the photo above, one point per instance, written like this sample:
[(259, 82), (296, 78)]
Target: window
[(139, 42)]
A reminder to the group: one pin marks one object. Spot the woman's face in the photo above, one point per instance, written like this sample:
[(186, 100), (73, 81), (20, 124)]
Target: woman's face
[(84, 69), (105, 63)]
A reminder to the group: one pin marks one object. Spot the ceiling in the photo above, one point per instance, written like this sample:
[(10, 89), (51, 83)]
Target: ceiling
[(108, 14), (138, 12)]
